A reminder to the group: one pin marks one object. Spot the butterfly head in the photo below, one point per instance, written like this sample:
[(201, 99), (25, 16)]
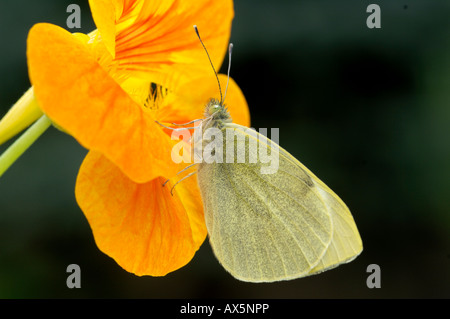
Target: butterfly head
[(217, 112)]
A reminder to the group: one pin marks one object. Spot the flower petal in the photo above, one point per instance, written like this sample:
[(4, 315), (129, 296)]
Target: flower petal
[(79, 95), (142, 226), (105, 13), (191, 98), (155, 39)]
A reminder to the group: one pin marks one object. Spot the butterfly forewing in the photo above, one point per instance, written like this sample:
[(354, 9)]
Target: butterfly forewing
[(264, 227)]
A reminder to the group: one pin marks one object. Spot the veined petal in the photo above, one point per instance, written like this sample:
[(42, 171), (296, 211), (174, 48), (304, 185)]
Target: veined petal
[(79, 95), (142, 226), (189, 102), (105, 14), (155, 39)]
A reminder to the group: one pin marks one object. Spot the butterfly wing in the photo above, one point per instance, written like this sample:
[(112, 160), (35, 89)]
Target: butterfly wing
[(346, 243), (270, 227)]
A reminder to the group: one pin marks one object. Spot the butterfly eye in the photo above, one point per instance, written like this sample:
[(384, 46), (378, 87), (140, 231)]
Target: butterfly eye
[(213, 109)]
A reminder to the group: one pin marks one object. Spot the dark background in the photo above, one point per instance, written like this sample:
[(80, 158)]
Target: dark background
[(367, 110)]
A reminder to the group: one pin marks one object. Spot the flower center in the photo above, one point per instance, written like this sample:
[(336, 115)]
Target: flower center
[(155, 96)]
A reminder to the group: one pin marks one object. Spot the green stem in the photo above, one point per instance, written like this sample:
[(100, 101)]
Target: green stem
[(23, 143)]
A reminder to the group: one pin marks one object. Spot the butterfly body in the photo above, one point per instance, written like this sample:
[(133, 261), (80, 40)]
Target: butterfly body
[(268, 227)]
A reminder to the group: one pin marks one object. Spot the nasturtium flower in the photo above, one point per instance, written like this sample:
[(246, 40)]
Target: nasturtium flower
[(108, 89)]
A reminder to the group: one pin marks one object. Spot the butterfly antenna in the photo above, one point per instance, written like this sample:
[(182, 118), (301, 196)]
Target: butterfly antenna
[(209, 58), (230, 49)]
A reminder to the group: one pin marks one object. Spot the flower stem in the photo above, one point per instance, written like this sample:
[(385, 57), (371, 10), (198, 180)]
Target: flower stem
[(22, 114), (23, 143)]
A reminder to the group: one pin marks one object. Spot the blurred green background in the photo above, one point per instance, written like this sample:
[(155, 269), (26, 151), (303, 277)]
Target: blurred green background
[(367, 110)]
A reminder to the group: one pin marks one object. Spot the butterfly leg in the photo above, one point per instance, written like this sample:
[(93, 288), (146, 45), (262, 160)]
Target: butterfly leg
[(187, 122), (184, 169), (178, 129), (187, 176)]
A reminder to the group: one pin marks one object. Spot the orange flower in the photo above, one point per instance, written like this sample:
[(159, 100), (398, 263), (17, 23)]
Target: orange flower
[(107, 89)]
